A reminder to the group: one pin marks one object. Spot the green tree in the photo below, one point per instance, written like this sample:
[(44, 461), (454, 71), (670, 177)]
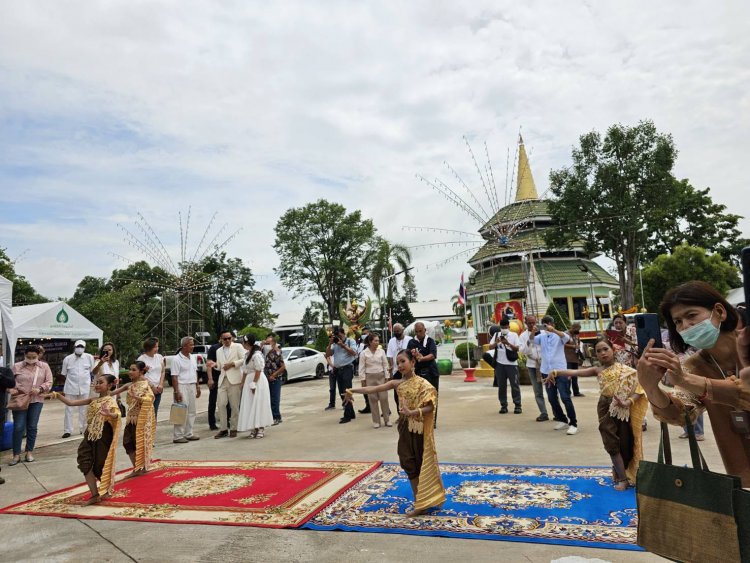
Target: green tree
[(122, 323), (232, 300), (401, 313), (321, 342), (313, 317), (620, 198), (23, 292), (410, 288), (695, 219), (323, 251), (88, 288), (611, 196), (561, 322), (387, 260), (686, 263)]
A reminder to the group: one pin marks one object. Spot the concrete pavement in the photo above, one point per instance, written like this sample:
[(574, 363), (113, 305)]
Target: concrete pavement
[(470, 430)]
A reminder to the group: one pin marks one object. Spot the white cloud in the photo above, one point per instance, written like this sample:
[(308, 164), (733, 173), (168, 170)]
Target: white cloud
[(248, 109)]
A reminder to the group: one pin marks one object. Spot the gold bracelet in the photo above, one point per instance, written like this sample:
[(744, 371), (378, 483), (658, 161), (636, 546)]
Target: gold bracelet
[(349, 392), (421, 414)]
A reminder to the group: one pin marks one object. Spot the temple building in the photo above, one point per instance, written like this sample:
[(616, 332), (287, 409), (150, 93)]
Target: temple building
[(515, 265)]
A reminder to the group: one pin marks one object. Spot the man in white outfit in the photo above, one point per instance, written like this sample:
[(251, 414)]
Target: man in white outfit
[(76, 369), (399, 341), (184, 371), (229, 359)]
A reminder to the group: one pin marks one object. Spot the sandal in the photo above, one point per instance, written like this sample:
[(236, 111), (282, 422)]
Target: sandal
[(253, 433), (260, 433)]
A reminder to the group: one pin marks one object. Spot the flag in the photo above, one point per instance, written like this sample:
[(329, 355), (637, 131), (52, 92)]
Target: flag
[(462, 292)]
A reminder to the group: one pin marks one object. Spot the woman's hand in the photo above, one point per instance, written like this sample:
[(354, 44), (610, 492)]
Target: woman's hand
[(743, 346), (408, 412), (667, 361), (159, 389), (197, 391), (13, 391)]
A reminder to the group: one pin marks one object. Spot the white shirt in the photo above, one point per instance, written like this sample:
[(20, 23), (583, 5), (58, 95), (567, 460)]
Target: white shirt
[(530, 349), (107, 369), (184, 369), (553, 351), (77, 372), (502, 357), (394, 347), (155, 364)]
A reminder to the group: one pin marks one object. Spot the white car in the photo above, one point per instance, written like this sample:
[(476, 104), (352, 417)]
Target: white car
[(302, 361)]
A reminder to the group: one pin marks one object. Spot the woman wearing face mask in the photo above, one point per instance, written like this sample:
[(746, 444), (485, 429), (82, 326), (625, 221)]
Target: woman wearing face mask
[(622, 406), (33, 379), (698, 316), (108, 364)]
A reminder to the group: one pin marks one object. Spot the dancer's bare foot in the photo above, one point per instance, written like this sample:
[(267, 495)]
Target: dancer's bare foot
[(93, 500), (622, 485), (106, 496), (415, 512)]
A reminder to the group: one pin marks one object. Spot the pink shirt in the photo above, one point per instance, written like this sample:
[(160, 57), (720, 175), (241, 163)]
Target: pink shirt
[(25, 377)]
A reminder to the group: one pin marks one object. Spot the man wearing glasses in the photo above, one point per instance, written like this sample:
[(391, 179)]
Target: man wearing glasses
[(229, 359)]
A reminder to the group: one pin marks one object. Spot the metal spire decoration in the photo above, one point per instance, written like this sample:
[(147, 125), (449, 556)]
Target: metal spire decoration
[(181, 283)]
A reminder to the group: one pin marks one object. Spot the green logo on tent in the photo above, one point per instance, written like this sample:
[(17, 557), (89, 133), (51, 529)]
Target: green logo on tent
[(62, 316)]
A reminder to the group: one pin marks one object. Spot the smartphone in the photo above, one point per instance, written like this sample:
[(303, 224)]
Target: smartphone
[(746, 281), (646, 328)]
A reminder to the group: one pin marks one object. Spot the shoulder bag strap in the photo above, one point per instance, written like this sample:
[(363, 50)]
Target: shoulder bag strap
[(699, 462), (665, 448)]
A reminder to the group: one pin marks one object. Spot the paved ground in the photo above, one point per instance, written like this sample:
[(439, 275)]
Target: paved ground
[(470, 430)]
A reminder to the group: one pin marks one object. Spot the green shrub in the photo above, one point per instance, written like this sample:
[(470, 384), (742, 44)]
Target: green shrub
[(561, 322), (322, 340), (464, 350), (258, 332)]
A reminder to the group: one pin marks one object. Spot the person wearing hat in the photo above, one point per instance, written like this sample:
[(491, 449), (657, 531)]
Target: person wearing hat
[(76, 369)]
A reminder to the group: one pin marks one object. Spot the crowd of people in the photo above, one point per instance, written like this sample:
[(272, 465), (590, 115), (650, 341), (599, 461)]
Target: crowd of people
[(704, 367)]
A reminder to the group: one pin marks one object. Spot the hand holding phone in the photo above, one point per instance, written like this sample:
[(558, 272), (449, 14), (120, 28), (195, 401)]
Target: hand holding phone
[(646, 328)]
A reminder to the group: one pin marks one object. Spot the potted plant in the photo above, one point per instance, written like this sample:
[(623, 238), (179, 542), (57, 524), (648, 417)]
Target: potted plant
[(465, 354)]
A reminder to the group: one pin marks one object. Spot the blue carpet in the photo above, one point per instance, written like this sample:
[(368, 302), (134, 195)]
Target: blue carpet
[(575, 506)]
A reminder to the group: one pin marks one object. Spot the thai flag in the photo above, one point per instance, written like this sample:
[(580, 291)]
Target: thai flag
[(462, 292)]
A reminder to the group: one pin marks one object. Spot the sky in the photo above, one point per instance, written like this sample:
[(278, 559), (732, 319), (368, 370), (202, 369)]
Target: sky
[(245, 109)]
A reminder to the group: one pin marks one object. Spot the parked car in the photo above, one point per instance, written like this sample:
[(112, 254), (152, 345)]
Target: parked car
[(302, 361), (200, 353)]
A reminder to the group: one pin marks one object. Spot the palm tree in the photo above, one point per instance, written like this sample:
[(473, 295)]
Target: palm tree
[(387, 260)]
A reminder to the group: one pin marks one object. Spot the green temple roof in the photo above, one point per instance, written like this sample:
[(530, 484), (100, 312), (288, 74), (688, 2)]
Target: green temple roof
[(552, 273), (518, 210)]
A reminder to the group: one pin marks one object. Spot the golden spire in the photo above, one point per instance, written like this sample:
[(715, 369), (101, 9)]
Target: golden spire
[(525, 187)]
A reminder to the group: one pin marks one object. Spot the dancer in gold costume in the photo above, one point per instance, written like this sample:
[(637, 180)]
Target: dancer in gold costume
[(140, 427), (416, 438), (97, 450), (622, 406)]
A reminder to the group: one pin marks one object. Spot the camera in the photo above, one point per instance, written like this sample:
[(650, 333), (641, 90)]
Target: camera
[(335, 339)]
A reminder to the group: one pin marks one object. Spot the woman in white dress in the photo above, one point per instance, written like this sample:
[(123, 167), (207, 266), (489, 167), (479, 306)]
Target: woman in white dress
[(255, 405)]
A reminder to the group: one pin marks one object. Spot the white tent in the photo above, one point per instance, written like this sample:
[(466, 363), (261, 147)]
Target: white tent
[(6, 319), (52, 320)]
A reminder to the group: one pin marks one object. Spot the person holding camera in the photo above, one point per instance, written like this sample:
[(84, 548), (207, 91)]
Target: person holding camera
[(552, 342), (506, 345), (716, 379), (344, 351), (531, 350), (573, 355), (108, 364)]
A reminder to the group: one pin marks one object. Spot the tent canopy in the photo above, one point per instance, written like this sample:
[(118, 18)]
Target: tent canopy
[(52, 320), (6, 319)]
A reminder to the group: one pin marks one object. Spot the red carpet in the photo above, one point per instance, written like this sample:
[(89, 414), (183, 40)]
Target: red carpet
[(274, 494)]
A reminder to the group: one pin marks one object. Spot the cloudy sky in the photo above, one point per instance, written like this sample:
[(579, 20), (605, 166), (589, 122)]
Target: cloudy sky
[(248, 108)]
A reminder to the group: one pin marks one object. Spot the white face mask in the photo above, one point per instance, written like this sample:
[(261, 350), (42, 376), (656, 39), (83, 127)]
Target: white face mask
[(79, 351), (31, 362), (266, 349), (504, 331)]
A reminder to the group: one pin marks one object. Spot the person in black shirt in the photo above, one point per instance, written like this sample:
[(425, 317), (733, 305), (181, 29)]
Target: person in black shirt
[(424, 351)]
